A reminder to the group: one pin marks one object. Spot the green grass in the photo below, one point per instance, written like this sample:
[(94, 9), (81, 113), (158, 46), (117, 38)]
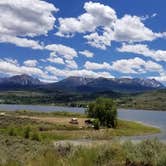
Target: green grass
[(16, 151), (19, 152), (14, 125), (27, 142), (146, 153), (125, 128), (46, 114), (129, 128)]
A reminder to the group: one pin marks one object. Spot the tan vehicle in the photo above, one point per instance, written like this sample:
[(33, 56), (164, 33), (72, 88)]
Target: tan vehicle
[(74, 121), (2, 114)]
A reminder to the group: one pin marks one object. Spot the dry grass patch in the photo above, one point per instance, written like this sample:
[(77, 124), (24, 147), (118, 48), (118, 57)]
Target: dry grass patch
[(58, 120)]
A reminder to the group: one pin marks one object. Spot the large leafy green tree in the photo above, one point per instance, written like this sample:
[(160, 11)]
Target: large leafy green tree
[(105, 110)]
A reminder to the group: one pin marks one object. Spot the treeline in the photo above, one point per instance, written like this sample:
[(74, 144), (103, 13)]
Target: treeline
[(153, 100)]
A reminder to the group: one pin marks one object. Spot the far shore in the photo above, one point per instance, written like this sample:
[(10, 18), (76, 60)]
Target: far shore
[(61, 106)]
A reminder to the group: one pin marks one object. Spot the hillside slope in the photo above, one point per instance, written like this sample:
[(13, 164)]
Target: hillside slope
[(153, 100)]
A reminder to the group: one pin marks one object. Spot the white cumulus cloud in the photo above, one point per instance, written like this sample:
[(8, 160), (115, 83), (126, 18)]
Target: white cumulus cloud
[(11, 68), (96, 66), (96, 15), (80, 73), (56, 60), (71, 64), (142, 49), (136, 66), (100, 25), (25, 18), (62, 50), (87, 53), (31, 63)]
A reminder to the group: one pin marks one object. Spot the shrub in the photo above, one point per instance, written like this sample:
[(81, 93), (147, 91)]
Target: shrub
[(162, 159), (110, 155), (105, 110), (27, 132), (148, 152), (64, 150), (12, 131), (96, 124), (36, 136)]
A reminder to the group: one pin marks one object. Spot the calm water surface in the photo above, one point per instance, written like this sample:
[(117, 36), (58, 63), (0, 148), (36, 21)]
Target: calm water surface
[(154, 118), (9, 107)]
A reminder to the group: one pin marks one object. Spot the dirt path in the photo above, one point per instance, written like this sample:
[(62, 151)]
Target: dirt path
[(82, 142), (57, 120)]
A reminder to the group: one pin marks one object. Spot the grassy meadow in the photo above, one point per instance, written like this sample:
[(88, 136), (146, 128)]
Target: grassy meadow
[(28, 139), (18, 152), (145, 153), (56, 126)]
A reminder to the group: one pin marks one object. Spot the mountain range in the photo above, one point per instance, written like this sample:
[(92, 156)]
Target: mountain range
[(81, 84), (19, 82)]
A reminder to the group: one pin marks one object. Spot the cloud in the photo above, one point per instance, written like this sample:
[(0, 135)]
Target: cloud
[(11, 67), (80, 73), (161, 78), (96, 15), (136, 66), (87, 53), (12, 61), (22, 21), (71, 64), (21, 42), (154, 15), (142, 49), (96, 66), (100, 26), (56, 60), (62, 50), (127, 66), (132, 29), (48, 78), (100, 41), (31, 63), (67, 53), (126, 29), (146, 17), (25, 18)]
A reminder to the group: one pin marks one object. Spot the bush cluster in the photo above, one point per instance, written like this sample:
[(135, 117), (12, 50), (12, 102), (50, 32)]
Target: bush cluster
[(145, 153), (103, 109)]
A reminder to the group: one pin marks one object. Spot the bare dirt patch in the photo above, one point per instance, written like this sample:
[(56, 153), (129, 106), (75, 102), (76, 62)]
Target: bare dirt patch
[(58, 120)]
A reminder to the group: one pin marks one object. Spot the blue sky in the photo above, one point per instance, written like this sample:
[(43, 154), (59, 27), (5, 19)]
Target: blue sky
[(55, 39)]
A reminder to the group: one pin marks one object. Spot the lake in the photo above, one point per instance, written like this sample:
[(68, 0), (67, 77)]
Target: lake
[(154, 118), (10, 107)]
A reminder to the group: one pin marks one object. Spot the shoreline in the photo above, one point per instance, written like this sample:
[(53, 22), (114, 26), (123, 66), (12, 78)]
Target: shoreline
[(61, 105), (137, 109)]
